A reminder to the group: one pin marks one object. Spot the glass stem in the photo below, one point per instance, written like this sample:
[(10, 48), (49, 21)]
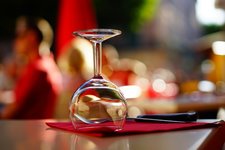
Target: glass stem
[(97, 51)]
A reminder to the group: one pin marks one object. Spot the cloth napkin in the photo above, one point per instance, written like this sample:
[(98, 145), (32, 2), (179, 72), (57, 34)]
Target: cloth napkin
[(132, 127)]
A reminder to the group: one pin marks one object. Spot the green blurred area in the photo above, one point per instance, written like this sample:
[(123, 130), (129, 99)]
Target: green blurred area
[(127, 15)]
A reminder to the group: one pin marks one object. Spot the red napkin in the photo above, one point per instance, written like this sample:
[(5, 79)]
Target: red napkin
[(132, 127)]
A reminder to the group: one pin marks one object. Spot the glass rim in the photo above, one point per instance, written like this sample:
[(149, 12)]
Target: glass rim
[(114, 31)]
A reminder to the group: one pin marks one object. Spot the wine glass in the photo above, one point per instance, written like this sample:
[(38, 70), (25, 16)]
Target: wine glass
[(98, 102)]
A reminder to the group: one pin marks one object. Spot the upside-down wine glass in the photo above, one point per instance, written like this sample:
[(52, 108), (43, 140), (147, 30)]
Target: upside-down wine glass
[(98, 102)]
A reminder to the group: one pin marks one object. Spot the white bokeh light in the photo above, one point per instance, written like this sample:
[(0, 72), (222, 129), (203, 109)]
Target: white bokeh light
[(207, 13), (206, 86), (159, 85), (219, 47)]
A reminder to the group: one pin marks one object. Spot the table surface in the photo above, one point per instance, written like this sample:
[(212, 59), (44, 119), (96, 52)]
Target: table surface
[(36, 135)]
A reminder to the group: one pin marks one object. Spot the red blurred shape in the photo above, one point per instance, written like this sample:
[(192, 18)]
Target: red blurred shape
[(73, 15)]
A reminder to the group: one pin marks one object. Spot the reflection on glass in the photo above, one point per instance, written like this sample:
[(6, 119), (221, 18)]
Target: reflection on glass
[(79, 142)]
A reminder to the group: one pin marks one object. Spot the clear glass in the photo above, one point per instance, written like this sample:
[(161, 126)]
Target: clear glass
[(98, 102)]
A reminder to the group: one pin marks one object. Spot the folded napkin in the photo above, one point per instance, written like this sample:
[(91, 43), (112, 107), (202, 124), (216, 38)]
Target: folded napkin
[(132, 127)]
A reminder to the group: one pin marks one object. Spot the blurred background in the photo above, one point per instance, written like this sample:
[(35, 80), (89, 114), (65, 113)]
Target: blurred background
[(169, 58)]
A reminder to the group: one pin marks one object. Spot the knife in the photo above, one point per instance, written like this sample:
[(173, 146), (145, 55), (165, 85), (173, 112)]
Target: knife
[(169, 118)]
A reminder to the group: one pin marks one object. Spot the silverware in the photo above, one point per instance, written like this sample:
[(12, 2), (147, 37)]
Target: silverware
[(155, 120), (171, 117)]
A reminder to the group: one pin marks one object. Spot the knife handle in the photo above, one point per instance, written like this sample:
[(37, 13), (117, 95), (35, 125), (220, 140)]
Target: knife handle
[(188, 117)]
